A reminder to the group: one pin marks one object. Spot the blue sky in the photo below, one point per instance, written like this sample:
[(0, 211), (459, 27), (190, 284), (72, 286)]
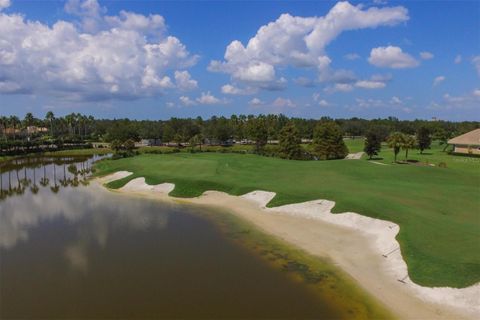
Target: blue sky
[(158, 59)]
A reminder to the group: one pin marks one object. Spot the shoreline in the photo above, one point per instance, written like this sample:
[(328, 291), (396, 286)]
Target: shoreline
[(363, 247)]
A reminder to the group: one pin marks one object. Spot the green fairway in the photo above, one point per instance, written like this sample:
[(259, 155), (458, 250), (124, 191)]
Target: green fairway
[(437, 208)]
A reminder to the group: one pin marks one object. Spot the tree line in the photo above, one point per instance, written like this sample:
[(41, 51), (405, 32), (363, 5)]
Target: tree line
[(77, 129)]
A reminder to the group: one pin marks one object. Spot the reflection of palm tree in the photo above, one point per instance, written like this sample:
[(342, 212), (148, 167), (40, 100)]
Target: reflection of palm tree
[(84, 172), (25, 181), (74, 182), (9, 180), (44, 181), (34, 187), (72, 168), (3, 194), (64, 182), (19, 189), (55, 187), (18, 178)]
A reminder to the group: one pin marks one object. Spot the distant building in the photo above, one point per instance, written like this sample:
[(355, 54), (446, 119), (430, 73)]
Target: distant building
[(11, 131), (148, 143), (35, 129), (468, 143)]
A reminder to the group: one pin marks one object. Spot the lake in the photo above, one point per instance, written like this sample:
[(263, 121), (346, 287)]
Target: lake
[(70, 249)]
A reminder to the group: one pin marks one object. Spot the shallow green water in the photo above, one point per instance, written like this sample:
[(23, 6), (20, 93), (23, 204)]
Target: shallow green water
[(82, 252)]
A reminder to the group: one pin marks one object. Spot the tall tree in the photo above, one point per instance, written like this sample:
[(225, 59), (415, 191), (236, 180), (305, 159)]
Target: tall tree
[(289, 144), (328, 141), (257, 131), (50, 117), (14, 122), (409, 142), (28, 121), (4, 124), (395, 141), (424, 139), (373, 142), (442, 136)]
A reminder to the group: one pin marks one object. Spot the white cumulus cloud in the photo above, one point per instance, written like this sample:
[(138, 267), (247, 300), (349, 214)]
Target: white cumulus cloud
[(320, 101), (256, 102), (476, 64), (438, 80), (425, 55), (351, 56), (391, 57), (184, 81), (339, 87), (283, 102), (208, 98), (369, 84), (458, 59), (298, 42), (186, 101), (129, 57), (4, 4), (233, 90)]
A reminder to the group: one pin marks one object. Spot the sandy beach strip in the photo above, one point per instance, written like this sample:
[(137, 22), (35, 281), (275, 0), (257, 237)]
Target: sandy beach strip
[(363, 247)]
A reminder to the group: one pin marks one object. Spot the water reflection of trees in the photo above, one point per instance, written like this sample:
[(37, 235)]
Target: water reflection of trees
[(22, 175)]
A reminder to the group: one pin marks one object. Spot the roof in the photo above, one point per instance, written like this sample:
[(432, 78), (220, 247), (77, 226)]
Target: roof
[(471, 138)]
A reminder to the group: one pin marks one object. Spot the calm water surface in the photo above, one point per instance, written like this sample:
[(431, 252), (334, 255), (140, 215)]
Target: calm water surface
[(72, 250)]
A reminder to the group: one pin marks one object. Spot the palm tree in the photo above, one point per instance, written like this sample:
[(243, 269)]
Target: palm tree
[(91, 121), (29, 120), (4, 124), (70, 119), (14, 121), (50, 117), (395, 141), (408, 143)]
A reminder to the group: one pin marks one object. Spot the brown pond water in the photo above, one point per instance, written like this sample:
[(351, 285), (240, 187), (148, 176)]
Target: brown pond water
[(68, 250)]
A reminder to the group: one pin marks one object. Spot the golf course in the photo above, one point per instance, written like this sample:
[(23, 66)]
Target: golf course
[(436, 207)]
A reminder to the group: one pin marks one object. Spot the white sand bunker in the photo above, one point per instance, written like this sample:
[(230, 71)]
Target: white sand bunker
[(139, 185), (262, 198), (354, 156), (115, 176)]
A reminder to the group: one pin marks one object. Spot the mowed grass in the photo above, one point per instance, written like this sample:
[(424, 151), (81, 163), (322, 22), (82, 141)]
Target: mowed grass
[(437, 208)]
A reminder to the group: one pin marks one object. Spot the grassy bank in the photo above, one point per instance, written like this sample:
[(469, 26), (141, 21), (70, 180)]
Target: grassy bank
[(319, 275), (437, 208), (62, 153)]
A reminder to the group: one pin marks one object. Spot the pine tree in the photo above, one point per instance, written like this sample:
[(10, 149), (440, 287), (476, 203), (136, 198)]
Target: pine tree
[(328, 141), (258, 132), (373, 143), (289, 144), (424, 139)]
